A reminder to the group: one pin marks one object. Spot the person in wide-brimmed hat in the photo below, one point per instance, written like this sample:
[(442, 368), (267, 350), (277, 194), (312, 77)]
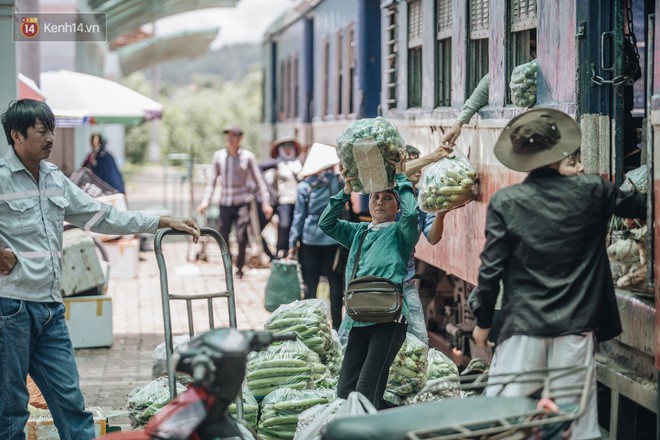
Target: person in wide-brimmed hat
[(282, 175), (545, 243)]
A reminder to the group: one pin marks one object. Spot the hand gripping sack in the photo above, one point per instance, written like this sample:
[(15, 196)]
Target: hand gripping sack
[(283, 285), (371, 298)]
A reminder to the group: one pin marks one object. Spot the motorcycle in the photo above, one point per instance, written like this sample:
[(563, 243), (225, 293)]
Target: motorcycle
[(216, 361)]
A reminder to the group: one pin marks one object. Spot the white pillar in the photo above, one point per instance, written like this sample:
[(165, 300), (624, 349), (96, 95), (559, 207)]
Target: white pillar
[(9, 86)]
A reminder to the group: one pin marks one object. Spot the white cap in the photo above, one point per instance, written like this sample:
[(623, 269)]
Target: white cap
[(319, 157)]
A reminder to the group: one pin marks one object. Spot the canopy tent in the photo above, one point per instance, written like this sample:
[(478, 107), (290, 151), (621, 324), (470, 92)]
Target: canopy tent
[(186, 44), (28, 89), (105, 101)]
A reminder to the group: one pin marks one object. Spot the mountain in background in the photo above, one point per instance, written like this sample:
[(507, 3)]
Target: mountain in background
[(228, 63)]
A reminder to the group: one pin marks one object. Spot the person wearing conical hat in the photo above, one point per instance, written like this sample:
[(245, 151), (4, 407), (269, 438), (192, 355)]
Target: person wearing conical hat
[(313, 248), (282, 174), (545, 240)]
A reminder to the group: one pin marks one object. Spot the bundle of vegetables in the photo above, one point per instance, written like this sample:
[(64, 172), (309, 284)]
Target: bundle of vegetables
[(290, 364), (442, 379), (250, 409), (408, 371), (281, 408), (523, 84), (312, 421), (364, 148), (637, 179), (144, 401), (475, 376), (446, 184), (309, 320)]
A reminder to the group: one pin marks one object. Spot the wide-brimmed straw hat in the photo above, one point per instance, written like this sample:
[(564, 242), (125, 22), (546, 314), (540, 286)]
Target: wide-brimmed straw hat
[(537, 138), (319, 157), (284, 140)]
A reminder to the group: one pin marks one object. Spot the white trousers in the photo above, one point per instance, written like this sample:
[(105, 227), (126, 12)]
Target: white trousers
[(525, 353)]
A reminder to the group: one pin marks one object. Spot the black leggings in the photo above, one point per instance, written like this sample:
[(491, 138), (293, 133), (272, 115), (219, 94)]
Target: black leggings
[(316, 261), (369, 354)]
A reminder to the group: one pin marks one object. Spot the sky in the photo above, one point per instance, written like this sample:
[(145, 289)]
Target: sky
[(245, 23)]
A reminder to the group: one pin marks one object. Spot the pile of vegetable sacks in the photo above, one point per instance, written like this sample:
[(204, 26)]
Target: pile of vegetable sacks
[(250, 409), (364, 148), (523, 84), (144, 401), (281, 408), (408, 370), (442, 379), (309, 320), (290, 364), (446, 184)]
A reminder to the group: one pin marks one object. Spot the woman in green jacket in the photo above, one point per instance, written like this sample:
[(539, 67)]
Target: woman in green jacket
[(387, 245)]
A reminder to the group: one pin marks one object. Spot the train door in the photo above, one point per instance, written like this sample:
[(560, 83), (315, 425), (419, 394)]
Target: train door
[(615, 76)]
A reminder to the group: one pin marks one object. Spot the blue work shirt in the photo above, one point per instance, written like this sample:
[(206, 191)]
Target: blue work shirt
[(32, 216)]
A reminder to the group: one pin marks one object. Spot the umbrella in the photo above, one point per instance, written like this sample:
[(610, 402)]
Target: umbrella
[(106, 101)]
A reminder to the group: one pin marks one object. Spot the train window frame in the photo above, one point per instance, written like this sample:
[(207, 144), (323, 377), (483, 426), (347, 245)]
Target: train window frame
[(339, 73), (443, 25), (391, 56), (415, 33), (522, 30), (325, 77), (351, 66), (478, 41)]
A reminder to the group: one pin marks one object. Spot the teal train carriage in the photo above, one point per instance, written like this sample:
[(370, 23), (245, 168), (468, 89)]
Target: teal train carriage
[(415, 62)]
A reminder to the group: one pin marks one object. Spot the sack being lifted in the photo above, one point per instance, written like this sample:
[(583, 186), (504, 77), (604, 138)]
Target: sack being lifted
[(364, 148), (447, 184)]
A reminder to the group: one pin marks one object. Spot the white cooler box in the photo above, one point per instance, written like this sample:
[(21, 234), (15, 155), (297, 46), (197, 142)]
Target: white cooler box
[(89, 319), (81, 267), (123, 256)]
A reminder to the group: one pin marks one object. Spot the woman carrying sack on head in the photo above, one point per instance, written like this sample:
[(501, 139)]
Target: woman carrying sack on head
[(379, 249)]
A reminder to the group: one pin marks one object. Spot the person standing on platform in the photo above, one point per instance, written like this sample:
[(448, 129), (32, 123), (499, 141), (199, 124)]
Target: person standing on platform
[(234, 166), (545, 243), (36, 198)]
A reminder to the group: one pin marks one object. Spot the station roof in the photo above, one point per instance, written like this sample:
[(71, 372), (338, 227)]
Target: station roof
[(126, 15), (154, 50)]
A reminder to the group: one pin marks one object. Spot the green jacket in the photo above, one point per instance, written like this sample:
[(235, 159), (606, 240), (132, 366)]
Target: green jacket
[(385, 251)]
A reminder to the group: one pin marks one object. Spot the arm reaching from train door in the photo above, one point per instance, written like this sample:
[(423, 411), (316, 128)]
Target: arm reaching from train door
[(477, 100)]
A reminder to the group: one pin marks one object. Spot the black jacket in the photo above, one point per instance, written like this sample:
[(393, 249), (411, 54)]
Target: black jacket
[(545, 239)]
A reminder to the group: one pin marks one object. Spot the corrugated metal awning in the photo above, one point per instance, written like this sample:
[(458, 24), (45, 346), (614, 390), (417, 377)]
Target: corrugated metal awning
[(126, 15), (155, 50)]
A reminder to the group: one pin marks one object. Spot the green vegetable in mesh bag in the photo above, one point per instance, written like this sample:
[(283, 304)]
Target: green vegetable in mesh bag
[(364, 148), (636, 180), (523, 84), (446, 184)]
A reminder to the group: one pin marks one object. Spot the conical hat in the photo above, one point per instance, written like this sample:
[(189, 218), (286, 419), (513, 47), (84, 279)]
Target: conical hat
[(319, 157)]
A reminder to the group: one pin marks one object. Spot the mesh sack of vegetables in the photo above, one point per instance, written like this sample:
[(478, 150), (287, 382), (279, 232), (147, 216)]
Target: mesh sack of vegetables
[(250, 408), (636, 180), (145, 400), (284, 284), (311, 421), (309, 320), (408, 370), (290, 364), (442, 379), (447, 184), (523, 84), (281, 408), (364, 148)]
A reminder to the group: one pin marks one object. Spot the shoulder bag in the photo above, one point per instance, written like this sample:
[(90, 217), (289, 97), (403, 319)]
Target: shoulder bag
[(371, 298)]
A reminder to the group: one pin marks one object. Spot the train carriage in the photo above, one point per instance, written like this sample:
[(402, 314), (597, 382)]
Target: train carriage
[(415, 62)]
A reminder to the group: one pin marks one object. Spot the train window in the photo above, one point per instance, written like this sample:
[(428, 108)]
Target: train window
[(351, 69), (415, 26), (478, 44), (339, 74), (391, 30), (294, 87), (522, 24), (282, 92), (443, 53), (325, 75)]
